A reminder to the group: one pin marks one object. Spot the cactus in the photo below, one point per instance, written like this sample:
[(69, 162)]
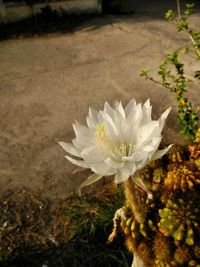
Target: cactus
[(183, 177), (179, 220), (182, 254), (163, 256), (197, 137), (164, 231)]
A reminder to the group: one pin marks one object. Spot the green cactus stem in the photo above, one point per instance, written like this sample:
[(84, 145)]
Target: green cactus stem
[(179, 220)]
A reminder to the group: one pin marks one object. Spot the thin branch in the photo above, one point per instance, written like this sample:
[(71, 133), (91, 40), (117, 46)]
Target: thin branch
[(178, 9), (194, 43)]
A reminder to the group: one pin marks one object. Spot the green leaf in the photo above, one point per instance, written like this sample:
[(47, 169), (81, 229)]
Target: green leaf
[(169, 14), (183, 24), (144, 72)]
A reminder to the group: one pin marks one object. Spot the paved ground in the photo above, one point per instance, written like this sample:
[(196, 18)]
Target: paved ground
[(46, 83)]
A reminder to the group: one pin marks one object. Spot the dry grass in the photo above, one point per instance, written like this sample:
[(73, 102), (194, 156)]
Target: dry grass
[(70, 232)]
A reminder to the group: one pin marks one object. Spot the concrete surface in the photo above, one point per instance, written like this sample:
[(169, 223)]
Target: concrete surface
[(49, 82)]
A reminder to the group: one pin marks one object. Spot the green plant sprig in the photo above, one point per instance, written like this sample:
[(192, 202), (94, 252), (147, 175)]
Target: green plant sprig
[(182, 24), (171, 71)]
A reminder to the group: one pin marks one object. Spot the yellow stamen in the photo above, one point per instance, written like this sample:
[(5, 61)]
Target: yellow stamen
[(114, 150)]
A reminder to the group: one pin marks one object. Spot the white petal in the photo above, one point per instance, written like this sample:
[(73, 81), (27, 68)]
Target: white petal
[(70, 149), (130, 108), (147, 103), (163, 118), (114, 164), (108, 122), (148, 131), (159, 153), (119, 178), (128, 170), (82, 143), (84, 136), (79, 163), (130, 133), (136, 156), (90, 180), (149, 148), (137, 262), (141, 164), (82, 131), (146, 112), (135, 116), (103, 169), (92, 118), (111, 132), (93, 155), (152, 145), (120, 109), (109, 110), (120, 121), (156, 141)]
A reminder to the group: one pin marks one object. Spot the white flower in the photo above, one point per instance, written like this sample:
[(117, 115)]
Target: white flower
[(117, 141)]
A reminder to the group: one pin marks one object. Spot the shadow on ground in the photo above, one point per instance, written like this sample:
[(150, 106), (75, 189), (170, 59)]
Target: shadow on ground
[(50, 22)]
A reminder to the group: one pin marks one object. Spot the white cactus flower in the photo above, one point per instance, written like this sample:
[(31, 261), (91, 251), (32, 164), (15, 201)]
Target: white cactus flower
[(117, 141)]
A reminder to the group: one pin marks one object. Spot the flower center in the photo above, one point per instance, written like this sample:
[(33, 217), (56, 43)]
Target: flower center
[(113, 150)]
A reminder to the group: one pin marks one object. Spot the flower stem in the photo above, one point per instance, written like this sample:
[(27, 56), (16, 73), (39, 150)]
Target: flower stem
[(134, 199)]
